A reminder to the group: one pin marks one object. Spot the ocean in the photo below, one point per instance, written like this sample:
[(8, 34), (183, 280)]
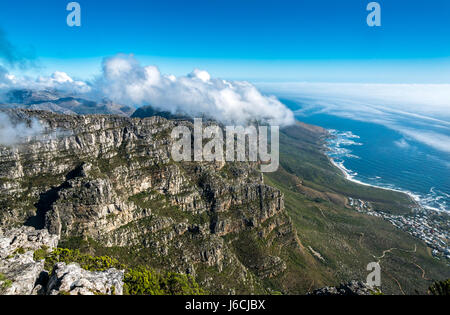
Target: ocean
[(373, 154)]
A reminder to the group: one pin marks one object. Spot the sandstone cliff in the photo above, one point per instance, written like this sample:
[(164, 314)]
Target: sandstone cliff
[(109, 181)]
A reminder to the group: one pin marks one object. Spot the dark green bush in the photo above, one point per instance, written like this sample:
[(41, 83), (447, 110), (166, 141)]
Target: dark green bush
[(41, 253), (20, 251), (138, 281), (144, 281), (440, 288), (87, 262), (181, 284)]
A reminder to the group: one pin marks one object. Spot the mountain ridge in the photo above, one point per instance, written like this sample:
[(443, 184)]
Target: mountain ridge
[(63, 103), (107, 186)]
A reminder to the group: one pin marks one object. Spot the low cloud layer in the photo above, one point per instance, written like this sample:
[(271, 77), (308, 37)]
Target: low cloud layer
[(127, 82), (431, 100), (434, 139), (420, 112), (57, 81), (11, 134)]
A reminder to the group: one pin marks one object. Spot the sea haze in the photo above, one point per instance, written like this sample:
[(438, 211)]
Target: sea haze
[(395, 158)]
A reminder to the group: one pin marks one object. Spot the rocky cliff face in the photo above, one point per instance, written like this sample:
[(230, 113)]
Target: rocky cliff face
[(110, 181), (20, 272), (23, 273)]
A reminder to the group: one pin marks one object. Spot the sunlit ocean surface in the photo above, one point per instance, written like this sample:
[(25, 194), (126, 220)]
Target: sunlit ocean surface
[(376, 155)]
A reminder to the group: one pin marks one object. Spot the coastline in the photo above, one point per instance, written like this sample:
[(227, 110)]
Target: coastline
[(414, 198), (420, 224)]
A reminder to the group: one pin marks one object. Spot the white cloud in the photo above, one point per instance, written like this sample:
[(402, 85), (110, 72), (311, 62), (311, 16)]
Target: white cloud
[(200, 74), (58, 80), (415, 99), (124, 80), (60, 77), (11, 133), (420, 112), (436, 140)]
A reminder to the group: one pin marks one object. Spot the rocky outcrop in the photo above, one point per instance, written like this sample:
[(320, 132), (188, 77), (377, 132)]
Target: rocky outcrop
[(350, 288), (72, 279), (20, 273), (25, 239)]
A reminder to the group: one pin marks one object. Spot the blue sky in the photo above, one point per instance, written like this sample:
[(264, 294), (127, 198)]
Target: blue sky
[(257, 40)]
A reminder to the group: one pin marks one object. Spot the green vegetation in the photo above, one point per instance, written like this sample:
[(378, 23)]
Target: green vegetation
[(143, 281), (377, 292), (87, 262), (43, 180), (161, 205), (19, 251), (329, 244), (315, 199), (138, 281), (41, 253), (5, 283), (440, 288)]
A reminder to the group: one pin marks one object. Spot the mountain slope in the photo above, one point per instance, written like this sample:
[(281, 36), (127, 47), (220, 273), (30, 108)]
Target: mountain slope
[(315, 198), (106, 185)]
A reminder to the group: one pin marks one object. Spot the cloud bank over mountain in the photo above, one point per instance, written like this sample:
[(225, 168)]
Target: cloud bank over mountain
[(419, 112), (11, 133), (125, 81), (57, 81)]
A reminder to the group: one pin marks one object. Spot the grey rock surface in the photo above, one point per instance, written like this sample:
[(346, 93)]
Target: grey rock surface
[(350, 288), (72, 279), (20, 272), (111, 179)]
